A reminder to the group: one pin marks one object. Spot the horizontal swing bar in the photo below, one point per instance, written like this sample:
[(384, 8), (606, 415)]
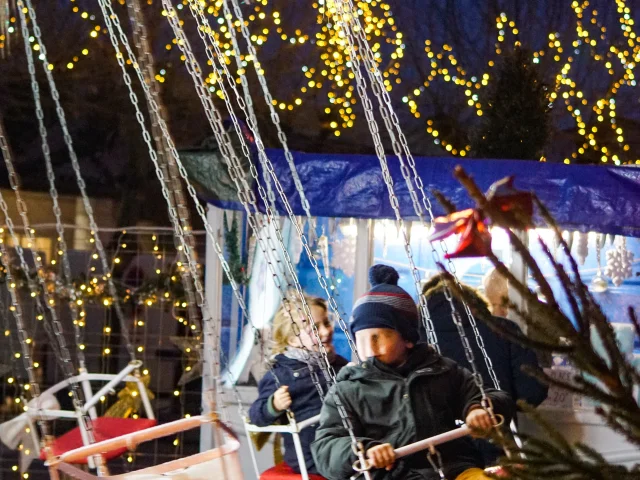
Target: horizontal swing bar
[(131, 440), (289, 428), (432, 441)]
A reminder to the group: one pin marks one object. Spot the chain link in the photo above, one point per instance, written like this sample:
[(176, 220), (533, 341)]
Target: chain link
[(267, 163), (110, 17), (183, 43), (80, 181), (13, 179), (244, 191), (58, 340), (345, 33), (392, 123), (23, 337), (165, 158), (436, 463)]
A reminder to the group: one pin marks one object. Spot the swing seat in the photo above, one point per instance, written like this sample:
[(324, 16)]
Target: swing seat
[(282, 471), (219, 463), (104, 428)]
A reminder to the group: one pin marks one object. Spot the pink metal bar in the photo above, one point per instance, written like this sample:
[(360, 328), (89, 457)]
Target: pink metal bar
[(432, 441), (131, 440)]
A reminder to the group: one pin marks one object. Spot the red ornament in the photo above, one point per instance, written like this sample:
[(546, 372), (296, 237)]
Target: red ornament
[(516, 205), (475, 239)]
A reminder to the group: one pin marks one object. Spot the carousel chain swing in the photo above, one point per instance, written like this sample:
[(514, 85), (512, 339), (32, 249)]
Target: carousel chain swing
[(386, 175), (275, 119), (53, 192), (199, 16), (267, 164), (208, 326), (165, 158), (392, 124), (81, 183), (55, 329), (323, 351), (202, 299), (346, 18), (225, 146), (357, 447), (23, 339)]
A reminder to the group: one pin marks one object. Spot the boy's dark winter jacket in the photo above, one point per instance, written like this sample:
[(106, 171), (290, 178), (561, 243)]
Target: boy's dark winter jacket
[(386, 406), (305, 404)]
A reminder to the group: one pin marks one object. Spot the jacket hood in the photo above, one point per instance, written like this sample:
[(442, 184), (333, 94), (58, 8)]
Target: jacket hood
[(440, 308)]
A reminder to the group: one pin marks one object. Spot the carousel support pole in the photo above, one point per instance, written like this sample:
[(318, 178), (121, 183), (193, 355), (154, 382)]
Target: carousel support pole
[(364, 257), (213, 291)]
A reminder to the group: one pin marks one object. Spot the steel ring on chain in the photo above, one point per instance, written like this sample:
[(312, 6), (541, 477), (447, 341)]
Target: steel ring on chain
[(360, 468)]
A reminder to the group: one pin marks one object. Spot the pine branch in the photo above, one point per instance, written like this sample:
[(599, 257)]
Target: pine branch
[(612, 419), (566, 284), (634, 321), (447, 204)]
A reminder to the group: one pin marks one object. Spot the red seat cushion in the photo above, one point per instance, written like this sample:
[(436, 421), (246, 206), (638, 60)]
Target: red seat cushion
[(104, 428), (282, 471)]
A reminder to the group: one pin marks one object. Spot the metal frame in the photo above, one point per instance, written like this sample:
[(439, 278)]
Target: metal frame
[(131, 440), (85, 380), (293, 428)]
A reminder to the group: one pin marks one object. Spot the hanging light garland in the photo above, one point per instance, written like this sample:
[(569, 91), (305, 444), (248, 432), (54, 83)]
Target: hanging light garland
[(595, 119), (327, 75)]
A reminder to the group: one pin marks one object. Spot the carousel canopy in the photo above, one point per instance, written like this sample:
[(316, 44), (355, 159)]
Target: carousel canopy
[(581, 197)]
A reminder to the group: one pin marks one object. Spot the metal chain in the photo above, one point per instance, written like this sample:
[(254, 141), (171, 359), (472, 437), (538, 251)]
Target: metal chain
[(249, 102), (289, 264), (13, 180), (109, 16), (203, 23), (436, 463), (244, 191), (57, 335), (275, 117), (267, 164), (329, 370), (81, 183), (23, 336), (392, 123), (63, 357), (386, 175), (179, 234), (347, 32), (165, 158)]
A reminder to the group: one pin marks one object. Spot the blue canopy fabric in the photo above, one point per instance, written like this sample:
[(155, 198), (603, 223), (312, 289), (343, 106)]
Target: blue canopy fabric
[(581, 197)]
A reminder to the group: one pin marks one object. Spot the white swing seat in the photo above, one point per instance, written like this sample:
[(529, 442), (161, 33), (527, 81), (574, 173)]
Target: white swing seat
[(282, 471), (220, 463), (103, 427)]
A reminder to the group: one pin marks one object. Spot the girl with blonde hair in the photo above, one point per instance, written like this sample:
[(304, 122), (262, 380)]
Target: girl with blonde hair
[(293, 349)]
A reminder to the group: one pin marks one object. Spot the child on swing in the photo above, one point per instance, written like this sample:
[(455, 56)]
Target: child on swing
[(297, 390), (401, 393)]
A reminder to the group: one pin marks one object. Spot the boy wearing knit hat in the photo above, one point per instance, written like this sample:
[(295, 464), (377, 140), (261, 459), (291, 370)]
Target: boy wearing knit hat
[(401, 393)]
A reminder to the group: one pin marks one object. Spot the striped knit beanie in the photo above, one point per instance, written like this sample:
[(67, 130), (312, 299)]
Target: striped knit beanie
[(386, 305)]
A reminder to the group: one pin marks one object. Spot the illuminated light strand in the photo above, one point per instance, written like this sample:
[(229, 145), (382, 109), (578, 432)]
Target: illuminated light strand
[(565, 89)]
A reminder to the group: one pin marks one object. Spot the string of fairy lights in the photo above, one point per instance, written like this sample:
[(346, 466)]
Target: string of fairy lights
[(595, 119), (328, 74), (163, 292)]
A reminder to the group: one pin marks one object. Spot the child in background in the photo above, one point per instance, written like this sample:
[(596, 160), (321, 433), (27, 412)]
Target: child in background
[(297, 390), (402, 393)]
